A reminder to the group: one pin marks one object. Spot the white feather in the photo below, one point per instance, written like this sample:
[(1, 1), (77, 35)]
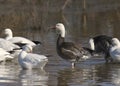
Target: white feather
[(31, 60), (115, 50), (4, 55), (7, 45), (91, 43), (9, 37)]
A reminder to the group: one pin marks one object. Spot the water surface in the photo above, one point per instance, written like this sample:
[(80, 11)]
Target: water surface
[(32, 19)]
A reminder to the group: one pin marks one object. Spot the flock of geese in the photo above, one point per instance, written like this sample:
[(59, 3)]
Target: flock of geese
[(21, 48)]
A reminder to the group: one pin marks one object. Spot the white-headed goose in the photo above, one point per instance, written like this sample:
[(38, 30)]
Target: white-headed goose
[(9, 37), (68, 50), (101, 44)]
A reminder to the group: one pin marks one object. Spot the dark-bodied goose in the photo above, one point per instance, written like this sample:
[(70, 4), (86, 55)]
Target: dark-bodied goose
[(68, 50), (101, 44), (115, 50)]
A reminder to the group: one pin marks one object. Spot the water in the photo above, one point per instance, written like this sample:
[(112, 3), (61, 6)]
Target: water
[(32, 19)]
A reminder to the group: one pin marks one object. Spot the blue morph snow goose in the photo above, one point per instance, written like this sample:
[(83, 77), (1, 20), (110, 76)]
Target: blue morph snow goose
[(101, 44), (9, 37), (68, 50)]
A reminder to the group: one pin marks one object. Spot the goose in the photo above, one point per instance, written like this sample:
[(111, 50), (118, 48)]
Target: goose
[(31, 60), (4, 55), (9, 36), (7, 45), (68, 50), (101, 44), (115, 50)]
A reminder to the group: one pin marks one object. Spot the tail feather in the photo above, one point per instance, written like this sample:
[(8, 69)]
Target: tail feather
[(92, 52)]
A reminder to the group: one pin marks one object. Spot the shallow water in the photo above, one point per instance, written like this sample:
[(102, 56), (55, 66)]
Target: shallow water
[(32, 19)]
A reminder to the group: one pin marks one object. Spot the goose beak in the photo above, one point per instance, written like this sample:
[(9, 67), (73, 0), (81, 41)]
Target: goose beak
[(53, 27)]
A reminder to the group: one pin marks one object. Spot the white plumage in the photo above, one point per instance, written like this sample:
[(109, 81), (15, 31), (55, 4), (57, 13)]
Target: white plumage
[(7, 45), (4, 55), (115, 50), (31, 60), (9, 37)]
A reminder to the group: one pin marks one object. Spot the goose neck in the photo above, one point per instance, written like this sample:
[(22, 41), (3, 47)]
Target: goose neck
[(60, 40)]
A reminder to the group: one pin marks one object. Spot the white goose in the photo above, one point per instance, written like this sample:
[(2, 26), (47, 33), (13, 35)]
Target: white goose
[(9, 37), (7, 45), (4, 55), (115, 50), (31, 60)]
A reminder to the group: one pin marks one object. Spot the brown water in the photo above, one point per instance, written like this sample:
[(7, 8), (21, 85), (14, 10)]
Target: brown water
[(32, 18)]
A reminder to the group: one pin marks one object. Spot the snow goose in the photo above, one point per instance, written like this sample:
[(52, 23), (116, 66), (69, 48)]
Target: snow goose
[(68, 50), (9, 37), (31, 60), (115, 50), (101, 44), (7, 45)]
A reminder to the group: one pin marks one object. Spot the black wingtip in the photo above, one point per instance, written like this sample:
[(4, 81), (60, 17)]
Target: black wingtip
[(48, 55), (11, 52), (37, 42), (20, 44)]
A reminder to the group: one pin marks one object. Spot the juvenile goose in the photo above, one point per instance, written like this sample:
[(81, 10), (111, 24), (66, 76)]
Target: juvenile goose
[(115, 50), (9, 37), (68, 50), (31, 60), (101, 44)]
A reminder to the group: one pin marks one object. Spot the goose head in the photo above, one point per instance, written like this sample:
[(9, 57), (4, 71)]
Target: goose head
[(91, 44), (60, 28), (27, 48), (115, 42), (8, 33)]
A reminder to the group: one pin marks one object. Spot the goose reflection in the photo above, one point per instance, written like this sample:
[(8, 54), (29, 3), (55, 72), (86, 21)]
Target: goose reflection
[(95, 75), (84, 76), (33, 77), (108, 75), (8, 75), (116, 74)]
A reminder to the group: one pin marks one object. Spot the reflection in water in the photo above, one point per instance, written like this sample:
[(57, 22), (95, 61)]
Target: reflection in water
[(115, 74), (33, 78), (8, 74), (31, 19), (81, 77), (11, 75), (99, 75)]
